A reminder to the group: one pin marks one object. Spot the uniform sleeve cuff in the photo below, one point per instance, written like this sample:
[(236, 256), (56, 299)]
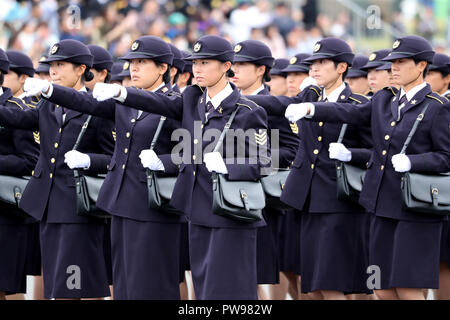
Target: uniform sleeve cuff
[(123, 95), (49, 93)]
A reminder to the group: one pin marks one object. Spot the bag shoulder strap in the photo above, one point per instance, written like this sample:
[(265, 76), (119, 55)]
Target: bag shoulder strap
[(82, 132), (157, 132), (225, 129), (414, 128)]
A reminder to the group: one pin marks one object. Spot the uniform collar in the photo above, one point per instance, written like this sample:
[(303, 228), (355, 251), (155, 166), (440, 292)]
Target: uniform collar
[(334, 96), (1, 91), (182, 89), (159, 87), (221, 96), (411, 93), (83, 89), (257, 91), (446, 93)]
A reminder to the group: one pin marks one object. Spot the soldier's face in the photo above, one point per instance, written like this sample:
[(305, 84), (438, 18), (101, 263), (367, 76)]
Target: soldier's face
[(437, 81), (146, 74), (278, 86), (208, 72), (325, 72), (65, 73), (406, 71), (246, 74), (294, 80), (358, 85), (378, 79), (99, 76), (12, 81)]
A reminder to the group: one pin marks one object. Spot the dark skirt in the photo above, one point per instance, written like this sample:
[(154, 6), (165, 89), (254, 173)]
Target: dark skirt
[(34, 263), (13, 258), (406, 252), (223, 263), (146, 259), (184, 250), (334, 252), (445, 243), (267, 248), (107, 250), (289, 248), (73, 261)]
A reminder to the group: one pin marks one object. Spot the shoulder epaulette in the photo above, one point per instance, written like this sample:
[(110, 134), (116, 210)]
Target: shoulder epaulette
[(437, 97), (358, 98), (13, 101), (390, 89), (246, 105), (316, 89)]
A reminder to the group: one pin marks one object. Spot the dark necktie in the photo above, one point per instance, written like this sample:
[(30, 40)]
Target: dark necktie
[(402, 100), (209, 106)]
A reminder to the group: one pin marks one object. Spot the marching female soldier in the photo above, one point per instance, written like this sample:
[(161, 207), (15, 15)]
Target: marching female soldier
[(331, 225), (222, 251), (18, 155), (71, 245), (438, 77), (20, 68), (145, 245), (252, 64), (357, 78), (404, 246), (378, 71)]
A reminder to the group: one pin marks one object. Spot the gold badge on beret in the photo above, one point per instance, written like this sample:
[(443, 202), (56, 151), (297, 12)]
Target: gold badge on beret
[(54, 49), (42, 59), (396, 44), (126, 65), (317, 47), (197, 47), (237, 48), (372, 56), (293, 60), (134, 46)]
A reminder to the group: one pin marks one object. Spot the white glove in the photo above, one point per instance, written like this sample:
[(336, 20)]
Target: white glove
[(214, 162), (401, 162), (34, 87), (297, 111), (76, 159), (339, 152), (104, 91), (150, 160), (309, 81)]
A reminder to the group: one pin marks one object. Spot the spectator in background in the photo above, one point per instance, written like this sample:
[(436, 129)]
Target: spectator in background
[(282, 19)]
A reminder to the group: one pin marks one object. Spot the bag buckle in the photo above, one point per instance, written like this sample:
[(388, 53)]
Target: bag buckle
[(420, 117), (244, 198), (435, 196)]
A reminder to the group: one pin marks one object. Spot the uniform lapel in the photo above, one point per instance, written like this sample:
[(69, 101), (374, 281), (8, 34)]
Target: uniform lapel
[(227, 106), (163, 90), (201, 106), (416, 100)]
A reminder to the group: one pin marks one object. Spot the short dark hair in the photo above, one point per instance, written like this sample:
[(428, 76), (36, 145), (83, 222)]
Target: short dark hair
[(266, 76), (427, 68), (344, 75), (166, 75)]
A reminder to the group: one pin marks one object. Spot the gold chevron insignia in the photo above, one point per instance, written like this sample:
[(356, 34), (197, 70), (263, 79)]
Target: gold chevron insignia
[(294, 127), (261, 138), (37, 137), (114, 135)]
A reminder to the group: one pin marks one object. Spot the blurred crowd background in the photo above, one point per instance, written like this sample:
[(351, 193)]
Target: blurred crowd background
[(287, 27)]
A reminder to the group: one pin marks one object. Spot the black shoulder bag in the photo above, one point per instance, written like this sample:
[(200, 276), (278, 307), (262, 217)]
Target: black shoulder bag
[(273, 185), (422, 192), (238, 200), (349, 178), (160, 189), (87, 188)]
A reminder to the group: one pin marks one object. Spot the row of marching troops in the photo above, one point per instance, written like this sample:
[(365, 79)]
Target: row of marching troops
[(321, 248)]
